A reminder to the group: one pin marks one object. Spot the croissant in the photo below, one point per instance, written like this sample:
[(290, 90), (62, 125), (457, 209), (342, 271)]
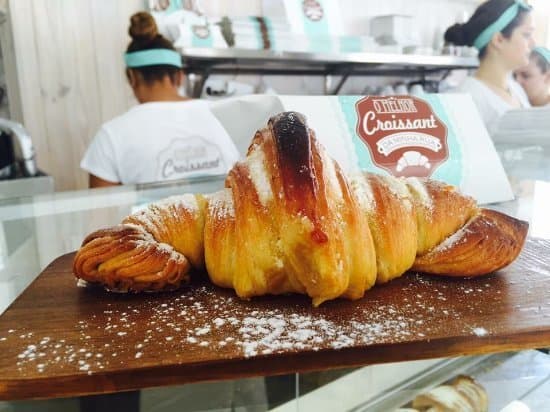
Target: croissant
[(463, 394), (290, 221)]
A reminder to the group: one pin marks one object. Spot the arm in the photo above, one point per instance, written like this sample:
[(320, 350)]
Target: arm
[(100, 160), (95, 181)]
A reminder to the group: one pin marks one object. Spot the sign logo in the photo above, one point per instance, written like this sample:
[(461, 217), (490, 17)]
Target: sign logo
[(201, 31), (403, 134), (189, 157), (312, 10)]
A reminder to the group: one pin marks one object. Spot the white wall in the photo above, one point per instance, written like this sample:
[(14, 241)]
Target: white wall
[(542, 19)]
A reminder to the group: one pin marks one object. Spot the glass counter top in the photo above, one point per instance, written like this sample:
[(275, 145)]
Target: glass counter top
[(35, 230)]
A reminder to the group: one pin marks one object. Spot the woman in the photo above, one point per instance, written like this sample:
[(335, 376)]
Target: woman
[(166, 136), (535, 77), (502, 31)]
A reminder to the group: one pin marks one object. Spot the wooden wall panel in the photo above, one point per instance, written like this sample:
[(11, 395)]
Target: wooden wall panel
[(71, 76), (26, 64)]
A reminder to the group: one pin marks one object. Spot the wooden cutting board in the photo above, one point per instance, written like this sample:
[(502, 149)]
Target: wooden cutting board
[(58, 339)]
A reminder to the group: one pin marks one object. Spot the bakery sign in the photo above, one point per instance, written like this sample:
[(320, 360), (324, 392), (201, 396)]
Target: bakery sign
[(403, 134)]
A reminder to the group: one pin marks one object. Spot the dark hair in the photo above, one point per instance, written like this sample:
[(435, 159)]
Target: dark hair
[(540, 61), (486, 14), (145, 35)]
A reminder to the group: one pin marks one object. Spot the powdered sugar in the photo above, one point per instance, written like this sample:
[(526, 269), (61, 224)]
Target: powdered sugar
[(420, 191), (362, 190), (258, 174), (331, 179), (187, 201), (81, 283), (206, 322), (149, 241), (451, 241), (480, 332), (220, 204), (398, 187)]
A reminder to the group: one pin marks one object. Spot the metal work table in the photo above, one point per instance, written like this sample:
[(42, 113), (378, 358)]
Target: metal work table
[(202, 62)]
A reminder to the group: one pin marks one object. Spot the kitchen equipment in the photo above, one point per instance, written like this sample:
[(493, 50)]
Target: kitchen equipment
[(19, 157), (394, 29), (7, 156)]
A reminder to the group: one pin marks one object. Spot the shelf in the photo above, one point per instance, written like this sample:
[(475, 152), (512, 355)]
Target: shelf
[(205, 61), (197, 56)]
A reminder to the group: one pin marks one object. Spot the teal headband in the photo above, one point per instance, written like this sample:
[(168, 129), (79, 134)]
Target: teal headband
[(544, 52), (153, 57), (500, 24)]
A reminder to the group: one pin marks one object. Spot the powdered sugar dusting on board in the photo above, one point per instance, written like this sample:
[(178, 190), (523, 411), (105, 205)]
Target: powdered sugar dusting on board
[(205, 320), (480, 331)]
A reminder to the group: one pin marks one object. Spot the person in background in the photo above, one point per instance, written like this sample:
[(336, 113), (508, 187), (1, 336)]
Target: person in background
[(535, 77), (502, 31), (166, 136)]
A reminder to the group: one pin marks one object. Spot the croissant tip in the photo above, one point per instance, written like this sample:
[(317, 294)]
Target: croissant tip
[(289, 116)]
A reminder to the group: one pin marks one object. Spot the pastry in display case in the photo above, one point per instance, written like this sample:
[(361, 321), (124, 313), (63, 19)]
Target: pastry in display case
[(503, 382), (462, 394)]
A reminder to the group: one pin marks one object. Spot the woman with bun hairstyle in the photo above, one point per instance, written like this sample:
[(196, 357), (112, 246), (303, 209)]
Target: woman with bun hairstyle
[(166, 136), (502, 31), (535, 77)]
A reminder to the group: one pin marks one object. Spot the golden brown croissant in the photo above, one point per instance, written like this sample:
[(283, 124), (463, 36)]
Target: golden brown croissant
[(289, 221)]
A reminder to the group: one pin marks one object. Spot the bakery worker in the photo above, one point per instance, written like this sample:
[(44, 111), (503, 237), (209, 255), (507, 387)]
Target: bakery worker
[(165, 136), (502, 32), (535, 77)]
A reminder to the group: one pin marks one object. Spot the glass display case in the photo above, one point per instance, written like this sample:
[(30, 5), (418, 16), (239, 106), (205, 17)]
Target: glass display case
[(36, 230)]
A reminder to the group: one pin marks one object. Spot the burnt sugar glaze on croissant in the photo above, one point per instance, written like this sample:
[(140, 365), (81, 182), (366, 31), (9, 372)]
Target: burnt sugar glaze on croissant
[(290, 221)]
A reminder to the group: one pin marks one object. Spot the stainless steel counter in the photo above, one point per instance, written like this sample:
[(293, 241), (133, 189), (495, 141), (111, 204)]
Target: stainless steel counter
[(263, 56), (26, 186), (202, 62)]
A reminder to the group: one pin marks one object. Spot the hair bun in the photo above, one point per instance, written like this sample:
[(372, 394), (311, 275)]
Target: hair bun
[(456, 35), (143, 27)]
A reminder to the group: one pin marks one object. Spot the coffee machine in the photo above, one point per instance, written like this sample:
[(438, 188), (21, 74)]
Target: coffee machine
[(17, 156)]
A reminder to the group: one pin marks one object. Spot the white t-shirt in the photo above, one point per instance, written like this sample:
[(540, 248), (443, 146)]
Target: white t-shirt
[(489, 104), (161, 141)]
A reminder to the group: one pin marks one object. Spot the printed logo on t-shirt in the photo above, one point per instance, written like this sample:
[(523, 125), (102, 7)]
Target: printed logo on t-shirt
[(193, 156)]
